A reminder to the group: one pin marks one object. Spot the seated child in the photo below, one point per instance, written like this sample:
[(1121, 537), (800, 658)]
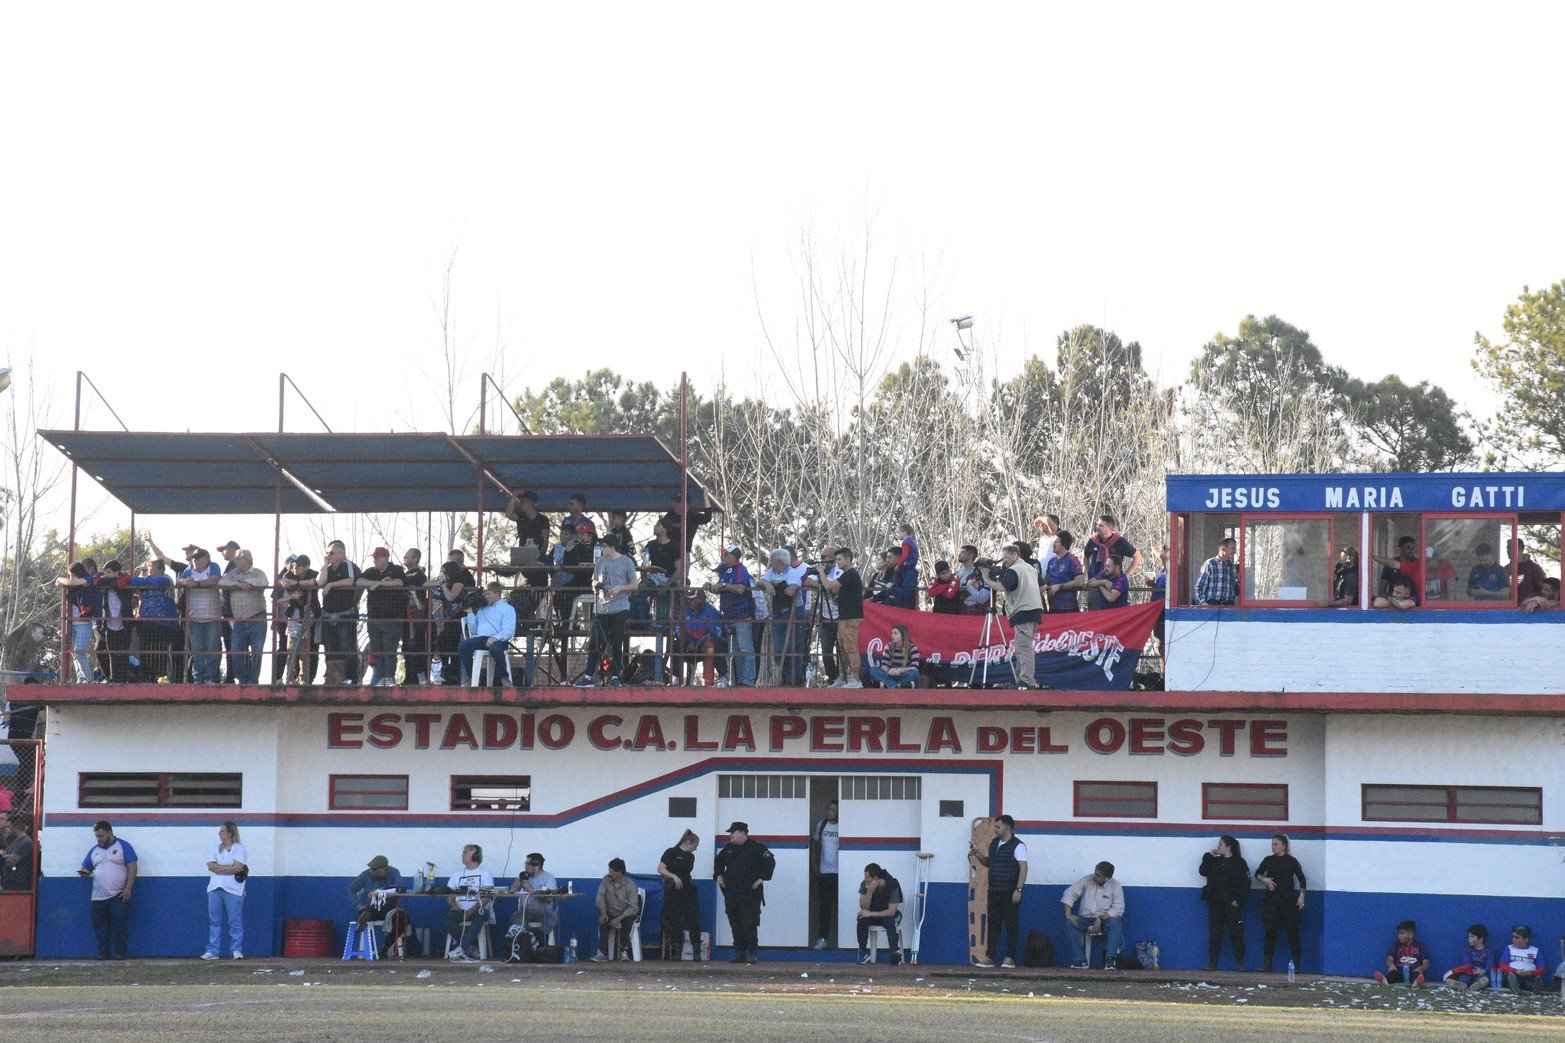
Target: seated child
[(1519, 962), (1407, 961), (1473, 975), (907, 558)]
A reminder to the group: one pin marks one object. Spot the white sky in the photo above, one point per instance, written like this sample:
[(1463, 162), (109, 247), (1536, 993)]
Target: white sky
[(194, 197)]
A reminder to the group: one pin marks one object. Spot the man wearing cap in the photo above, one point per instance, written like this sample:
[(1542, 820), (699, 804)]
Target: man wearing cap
[(537, 886), (387, 607), (204, 606), (179, 662), (230, 555), (490, 630), (379, 875), (736, 603), (244, 586), (741, 869)]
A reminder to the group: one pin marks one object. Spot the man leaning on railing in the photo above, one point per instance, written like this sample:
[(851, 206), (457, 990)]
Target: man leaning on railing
[(246, 588)]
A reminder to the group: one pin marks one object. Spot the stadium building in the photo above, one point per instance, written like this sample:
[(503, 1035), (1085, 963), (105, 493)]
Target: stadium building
[(1416, 757)]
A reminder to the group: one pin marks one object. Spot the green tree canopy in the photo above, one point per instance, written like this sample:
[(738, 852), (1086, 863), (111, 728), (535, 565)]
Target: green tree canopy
[(1409, 428), (1527, 370)]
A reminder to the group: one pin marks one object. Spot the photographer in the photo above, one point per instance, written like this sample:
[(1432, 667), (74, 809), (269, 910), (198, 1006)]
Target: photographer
[(972, 574), (1018, 577), (456, 581), (491, 626)]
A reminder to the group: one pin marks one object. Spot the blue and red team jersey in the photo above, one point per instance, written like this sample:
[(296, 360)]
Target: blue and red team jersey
[(1479, 960), (1410, 955), (736, 606), (909, 557), (1520, 959)]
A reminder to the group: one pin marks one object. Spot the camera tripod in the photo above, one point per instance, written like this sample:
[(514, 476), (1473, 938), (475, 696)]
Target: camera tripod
[(992, 625)]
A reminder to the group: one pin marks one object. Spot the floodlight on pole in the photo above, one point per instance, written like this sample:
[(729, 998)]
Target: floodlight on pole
[(963, 322), (5, 378)]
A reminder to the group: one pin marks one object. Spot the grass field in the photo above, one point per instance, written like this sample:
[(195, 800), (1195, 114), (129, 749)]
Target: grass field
[(184, 1000)]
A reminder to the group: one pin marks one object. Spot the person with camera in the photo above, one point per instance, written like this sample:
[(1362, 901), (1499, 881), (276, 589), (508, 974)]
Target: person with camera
[(976, 596), (1018, 577), (491, 625)]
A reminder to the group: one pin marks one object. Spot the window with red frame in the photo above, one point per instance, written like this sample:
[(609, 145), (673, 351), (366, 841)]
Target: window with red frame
[(1492, 805), (1116, 800), (1244, 801), (368, 793)]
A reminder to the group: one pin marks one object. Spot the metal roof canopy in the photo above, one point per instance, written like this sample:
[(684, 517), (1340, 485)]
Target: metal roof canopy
[(197, 473)]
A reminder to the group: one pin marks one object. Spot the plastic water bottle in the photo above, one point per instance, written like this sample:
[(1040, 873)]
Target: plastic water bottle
[(570, 889), (570, 954), (418, 881), (1290, 972)]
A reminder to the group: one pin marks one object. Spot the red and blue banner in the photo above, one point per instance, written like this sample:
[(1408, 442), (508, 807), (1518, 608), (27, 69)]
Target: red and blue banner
[(1079, 651)]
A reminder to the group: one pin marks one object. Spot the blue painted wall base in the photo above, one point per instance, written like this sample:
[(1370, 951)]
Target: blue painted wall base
[(1342, 932)]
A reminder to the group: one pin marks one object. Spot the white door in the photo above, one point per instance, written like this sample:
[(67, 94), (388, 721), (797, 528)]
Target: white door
[(881, 822)]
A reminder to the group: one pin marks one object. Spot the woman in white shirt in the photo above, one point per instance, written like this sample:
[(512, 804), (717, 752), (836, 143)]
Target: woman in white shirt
[(225, 893)]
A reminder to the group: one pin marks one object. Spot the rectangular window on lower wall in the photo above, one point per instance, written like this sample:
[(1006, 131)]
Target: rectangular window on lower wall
[(159, 789), (1244, 801), (880, 787), (761, 787), (368, 793), (1116, 800), (1492, 805), (491, 792)]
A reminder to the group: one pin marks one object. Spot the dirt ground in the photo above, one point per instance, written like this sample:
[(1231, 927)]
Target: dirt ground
[(419, 1000)]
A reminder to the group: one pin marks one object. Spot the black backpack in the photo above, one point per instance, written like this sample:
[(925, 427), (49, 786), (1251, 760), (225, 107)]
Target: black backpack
[(522, 948), (548, 954), (1040, 950)]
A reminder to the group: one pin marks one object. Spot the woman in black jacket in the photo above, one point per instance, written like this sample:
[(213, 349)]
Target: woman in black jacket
[(1227, 889), (1283, 902)]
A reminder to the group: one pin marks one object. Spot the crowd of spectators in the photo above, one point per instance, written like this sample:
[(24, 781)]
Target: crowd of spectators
[(579, 595)]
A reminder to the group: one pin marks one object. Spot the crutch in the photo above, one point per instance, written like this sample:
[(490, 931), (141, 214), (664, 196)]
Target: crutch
[(920, 900)]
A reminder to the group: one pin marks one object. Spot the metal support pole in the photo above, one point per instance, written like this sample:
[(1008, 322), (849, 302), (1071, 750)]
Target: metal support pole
[(478, 565), (66, 669)]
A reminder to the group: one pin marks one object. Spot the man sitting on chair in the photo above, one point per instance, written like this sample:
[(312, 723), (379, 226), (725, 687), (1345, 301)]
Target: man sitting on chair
[(467, 907), (1095, 905), (618, 905), (380, 875), (537, 888), (880, 905), (490, 630)]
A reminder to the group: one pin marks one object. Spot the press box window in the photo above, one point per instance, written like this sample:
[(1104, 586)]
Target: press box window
[(1116, 800), (1287, 560), (1494, 805), (159, 790), (491, 792), (1243, 801), (368, 793)]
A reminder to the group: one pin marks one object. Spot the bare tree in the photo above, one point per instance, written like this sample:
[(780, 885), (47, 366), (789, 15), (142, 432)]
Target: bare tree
[(29, 606)]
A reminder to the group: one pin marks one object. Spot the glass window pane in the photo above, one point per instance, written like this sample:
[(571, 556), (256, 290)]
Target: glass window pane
[(1287, 560), (1205, 531), (1464, 560)]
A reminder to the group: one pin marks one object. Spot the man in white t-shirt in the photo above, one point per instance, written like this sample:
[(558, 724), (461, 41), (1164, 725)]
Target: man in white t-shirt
[(825, 844), (467, 907), (112, 865), (538, 887)]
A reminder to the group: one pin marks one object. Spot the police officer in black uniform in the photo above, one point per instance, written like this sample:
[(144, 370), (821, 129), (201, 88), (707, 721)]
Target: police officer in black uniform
[(741, 869)]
